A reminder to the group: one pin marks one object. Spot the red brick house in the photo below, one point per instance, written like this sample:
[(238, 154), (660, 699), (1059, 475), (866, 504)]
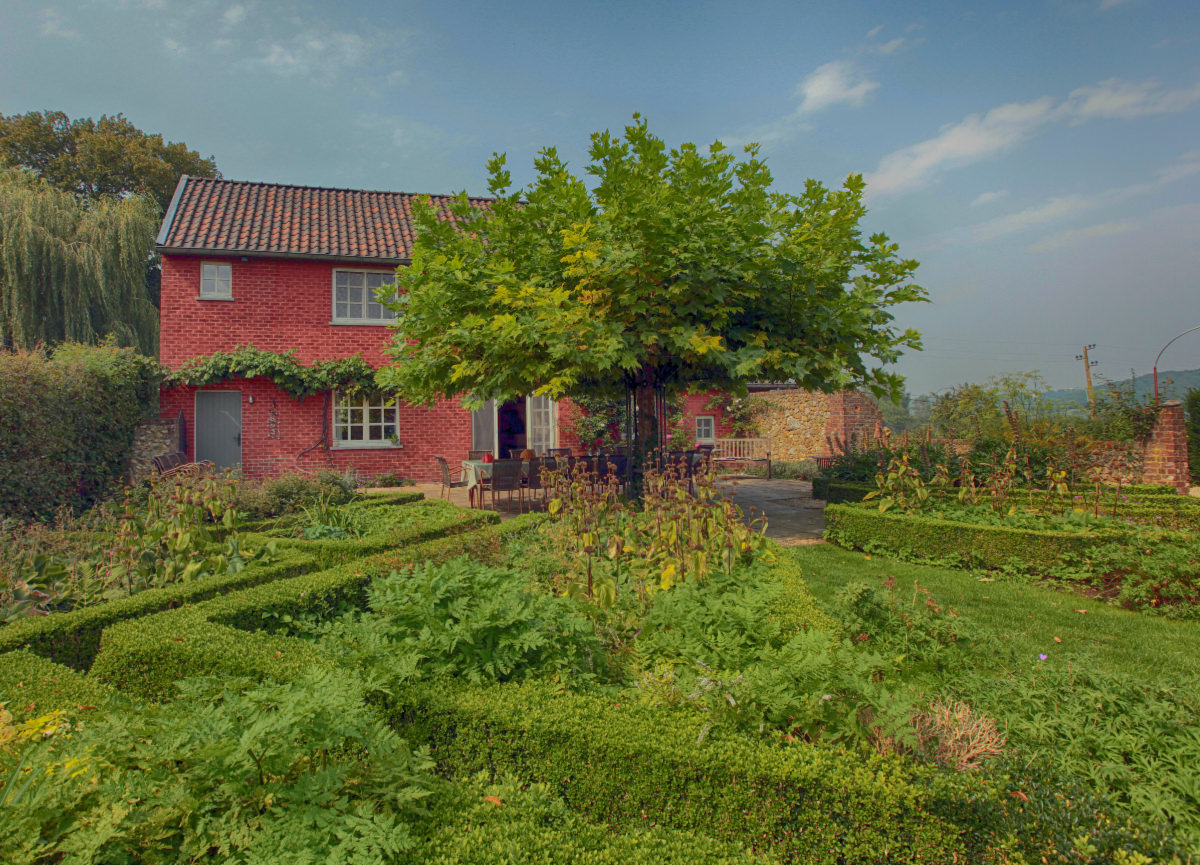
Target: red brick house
[(292, 267)]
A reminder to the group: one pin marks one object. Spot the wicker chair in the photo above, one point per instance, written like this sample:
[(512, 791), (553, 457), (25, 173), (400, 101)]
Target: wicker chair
[(448, 481)]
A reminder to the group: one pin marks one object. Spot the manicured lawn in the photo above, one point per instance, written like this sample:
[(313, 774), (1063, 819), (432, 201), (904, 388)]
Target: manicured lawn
[(1024, 617)]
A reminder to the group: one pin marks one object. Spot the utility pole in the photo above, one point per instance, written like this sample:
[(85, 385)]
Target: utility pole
[(1087, 368)]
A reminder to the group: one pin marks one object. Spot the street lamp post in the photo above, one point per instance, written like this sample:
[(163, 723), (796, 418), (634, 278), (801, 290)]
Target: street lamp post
[(1160, 354)]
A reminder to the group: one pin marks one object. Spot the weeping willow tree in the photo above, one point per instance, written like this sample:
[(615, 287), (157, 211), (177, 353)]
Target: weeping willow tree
[(71, 271)]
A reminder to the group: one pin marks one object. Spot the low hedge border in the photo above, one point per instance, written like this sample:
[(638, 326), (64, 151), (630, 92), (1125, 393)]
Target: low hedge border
[(221, 636), (334, 552), (365, 500), (623, 763), (72, 639), (836, 492), (910, 536), (33, 686)]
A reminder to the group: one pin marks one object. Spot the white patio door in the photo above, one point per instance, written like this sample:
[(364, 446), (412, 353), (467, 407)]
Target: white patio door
[(540, 428)]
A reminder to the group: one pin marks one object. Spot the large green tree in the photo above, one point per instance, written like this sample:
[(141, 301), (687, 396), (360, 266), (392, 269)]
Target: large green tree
[(672, 267), (70, 272), (97, 158)]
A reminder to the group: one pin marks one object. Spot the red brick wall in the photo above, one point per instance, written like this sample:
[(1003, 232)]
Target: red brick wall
[(694, 404), (1166, 460), (852, 416), (277, 305)]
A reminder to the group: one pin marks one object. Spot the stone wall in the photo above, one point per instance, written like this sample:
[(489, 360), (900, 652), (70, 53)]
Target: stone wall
[(152, 438), (802, 424)]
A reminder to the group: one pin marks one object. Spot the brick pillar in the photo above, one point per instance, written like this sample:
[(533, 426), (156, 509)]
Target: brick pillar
[(1167, 449)]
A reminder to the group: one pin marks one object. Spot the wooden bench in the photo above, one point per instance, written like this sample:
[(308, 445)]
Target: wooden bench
[(743, 451), (176, 463)]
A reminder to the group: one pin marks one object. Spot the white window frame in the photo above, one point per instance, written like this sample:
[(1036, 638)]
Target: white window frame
[(348, 413), (222, 277), (367, 301), (712, 421)]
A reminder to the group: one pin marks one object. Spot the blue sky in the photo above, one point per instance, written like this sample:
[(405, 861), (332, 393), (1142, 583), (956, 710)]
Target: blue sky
[(1041, 159)]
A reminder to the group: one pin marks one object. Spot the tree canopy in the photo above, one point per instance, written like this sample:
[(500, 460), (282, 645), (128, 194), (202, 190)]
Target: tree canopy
[(96, 158), (675, 267), (70, 272)]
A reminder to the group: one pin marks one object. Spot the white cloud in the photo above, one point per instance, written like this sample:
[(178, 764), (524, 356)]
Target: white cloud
[(315, 53), (874, 31), (1051, 211), (1075, 235), (833, 83), (1115, 99), (974, 138), (978, 136), (887, 47), (234, 15), (174, 47), (989, 197), (54, 24)]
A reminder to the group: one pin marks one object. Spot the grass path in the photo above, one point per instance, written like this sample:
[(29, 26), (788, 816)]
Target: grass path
[(1026, 617)]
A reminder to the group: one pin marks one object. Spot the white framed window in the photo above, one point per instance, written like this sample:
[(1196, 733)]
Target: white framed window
[(365, 422), (216, 281), (706, 429), (354, 297)]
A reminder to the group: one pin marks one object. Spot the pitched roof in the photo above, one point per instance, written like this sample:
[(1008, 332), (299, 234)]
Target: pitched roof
[(241, 217)]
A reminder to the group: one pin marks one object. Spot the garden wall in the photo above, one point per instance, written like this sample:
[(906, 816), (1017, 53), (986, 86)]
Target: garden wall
[(1166, 460), (802, 424)]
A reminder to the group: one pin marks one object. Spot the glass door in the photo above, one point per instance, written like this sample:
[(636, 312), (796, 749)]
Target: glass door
[(483, 427), (541, 428)]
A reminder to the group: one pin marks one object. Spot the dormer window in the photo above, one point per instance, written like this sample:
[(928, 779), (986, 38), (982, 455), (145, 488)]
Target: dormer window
[(216, 281), (354, 300)]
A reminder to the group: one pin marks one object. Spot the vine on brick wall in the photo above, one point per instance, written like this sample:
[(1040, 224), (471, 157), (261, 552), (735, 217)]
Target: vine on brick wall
[(351, 375), (741, 412)]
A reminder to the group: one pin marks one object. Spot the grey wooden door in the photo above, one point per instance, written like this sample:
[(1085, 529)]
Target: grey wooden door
[(219, 427), (483, 427)]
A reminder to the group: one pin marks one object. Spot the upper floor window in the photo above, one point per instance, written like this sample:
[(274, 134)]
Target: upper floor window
[(216, 281), (706, 432), (354, 297)]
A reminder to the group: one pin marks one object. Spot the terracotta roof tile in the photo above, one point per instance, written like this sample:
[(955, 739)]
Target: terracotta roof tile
[(237, 216)]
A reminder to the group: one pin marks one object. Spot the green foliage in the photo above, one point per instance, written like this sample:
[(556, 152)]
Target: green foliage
[(295, 773), (292, 492), (672, 267), (628, 764), (31, 686), (742, 413), (926, 634), (67, 424), (70, 272), (836, 492), (1151, 570), (73, 639), (483, 823), (345, 374), (1133, 739), (97, 159), (469, 620), (928, 539), (1123, 415)]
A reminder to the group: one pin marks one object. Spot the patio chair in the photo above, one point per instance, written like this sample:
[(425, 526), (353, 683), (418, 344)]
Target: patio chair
[(533, 480), (448, 481), (478, 454), (506, 478)]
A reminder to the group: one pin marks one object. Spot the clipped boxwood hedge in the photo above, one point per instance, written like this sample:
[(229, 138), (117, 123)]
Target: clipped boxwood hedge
[(835, 492), (33, 686), (625, 763), (914, 537), (221, 637), (73, 638)]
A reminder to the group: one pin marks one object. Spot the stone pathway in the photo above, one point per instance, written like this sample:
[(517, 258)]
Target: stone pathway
[(794, 517)]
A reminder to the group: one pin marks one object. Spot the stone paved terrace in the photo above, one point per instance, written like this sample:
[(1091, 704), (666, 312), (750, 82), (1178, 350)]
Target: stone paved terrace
[(793, 515)]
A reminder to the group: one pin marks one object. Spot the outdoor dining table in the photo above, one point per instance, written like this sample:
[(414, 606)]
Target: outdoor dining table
[(476, 471)]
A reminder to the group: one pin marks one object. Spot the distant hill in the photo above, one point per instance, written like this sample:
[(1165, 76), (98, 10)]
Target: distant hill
[(1173, 384)]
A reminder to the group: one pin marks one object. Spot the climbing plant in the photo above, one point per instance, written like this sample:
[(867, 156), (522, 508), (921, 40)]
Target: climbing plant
[(351, 375)]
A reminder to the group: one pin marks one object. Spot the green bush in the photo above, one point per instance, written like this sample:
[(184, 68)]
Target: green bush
[(625, 764), (67, 424), (290, 493), (835, 491), (32, 686), (908, 536), (225, 635), (73, 639)]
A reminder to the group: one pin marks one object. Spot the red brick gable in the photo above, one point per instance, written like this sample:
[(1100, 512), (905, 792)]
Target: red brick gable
[(240, 217)]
